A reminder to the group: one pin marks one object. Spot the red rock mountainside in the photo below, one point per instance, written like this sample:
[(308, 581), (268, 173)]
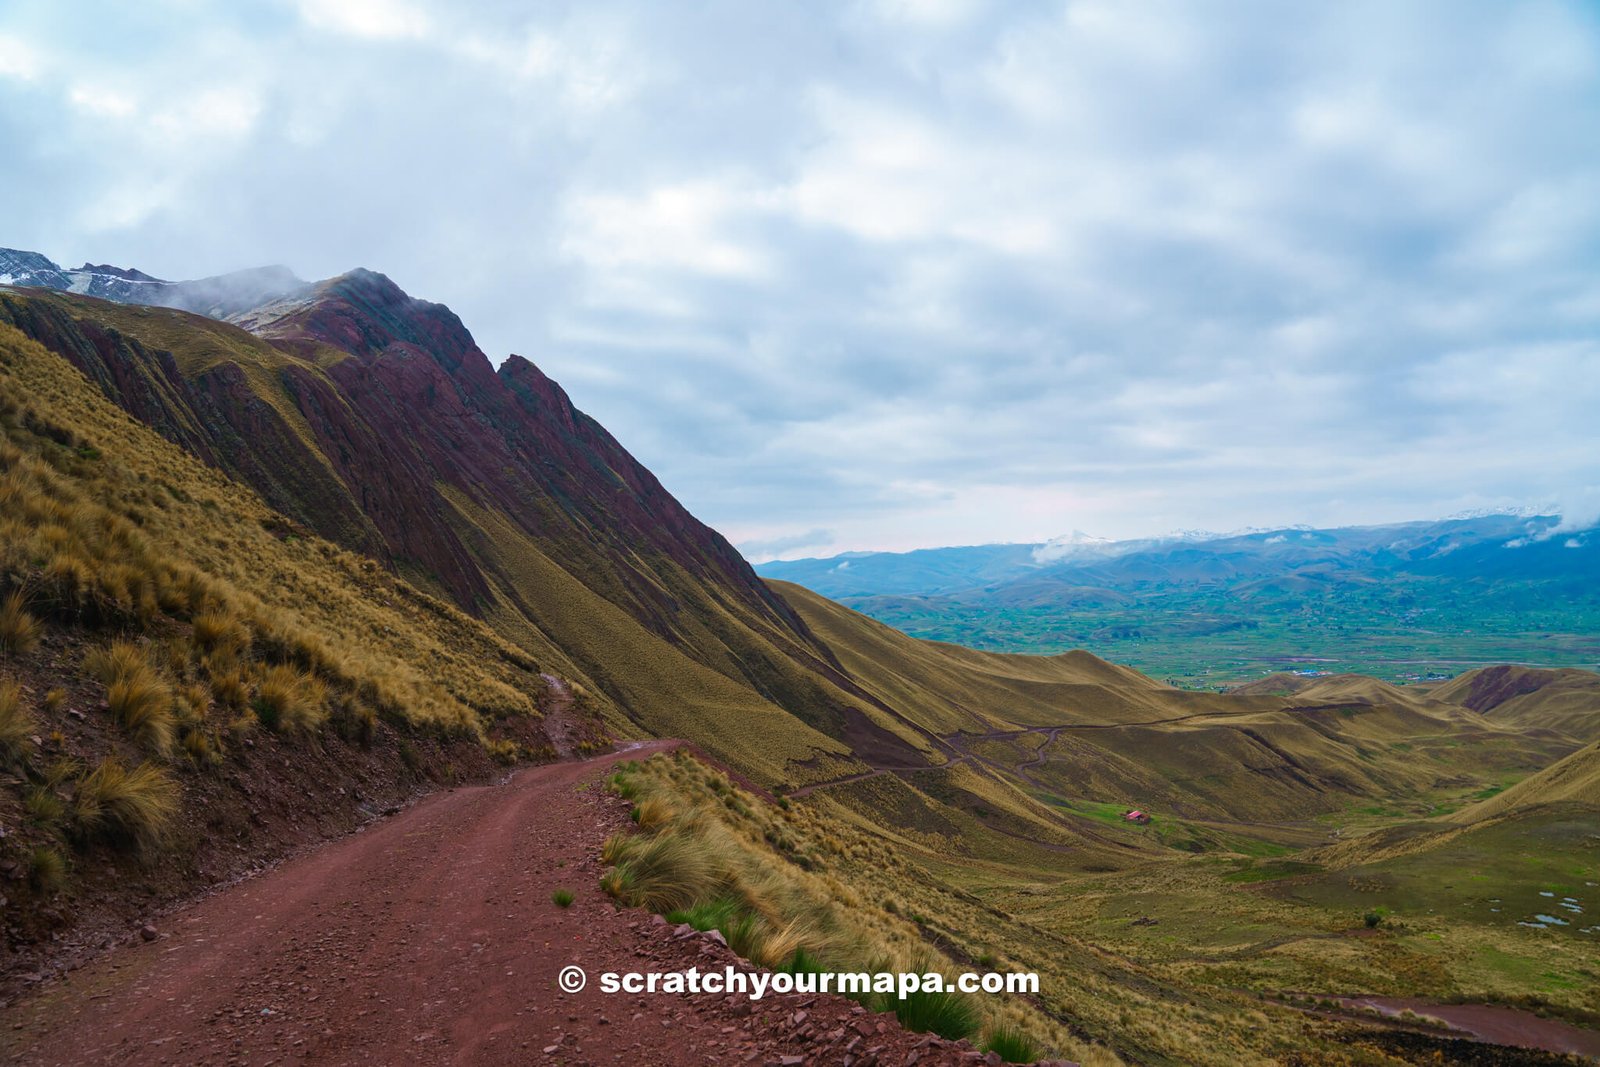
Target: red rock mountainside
[(374, 419)]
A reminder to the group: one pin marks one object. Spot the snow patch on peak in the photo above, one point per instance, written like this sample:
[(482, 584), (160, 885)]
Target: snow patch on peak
[(222, 297), (1490, 513)]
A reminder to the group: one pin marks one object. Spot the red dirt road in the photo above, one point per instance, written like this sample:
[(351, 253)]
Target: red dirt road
[(431, 938)]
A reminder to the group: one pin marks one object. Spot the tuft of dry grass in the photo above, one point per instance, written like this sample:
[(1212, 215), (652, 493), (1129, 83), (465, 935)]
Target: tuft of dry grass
[(290, 701), (354, 720), (47, 869), (193, 705), (19, 631), (781, 944), (117, 660), (17, 724), (199, 747), (42, 806), (614, 849), (1012, 1045), (243, 725), (139, 698), (652, 813), (128, 806), (663, 873), (219, 630), (229, 688), (505, 751)]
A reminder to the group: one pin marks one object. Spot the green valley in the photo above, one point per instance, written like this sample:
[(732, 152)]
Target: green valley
[(1416, 602)]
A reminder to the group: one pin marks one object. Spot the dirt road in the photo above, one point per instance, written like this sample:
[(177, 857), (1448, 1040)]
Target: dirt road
[(430, 938)]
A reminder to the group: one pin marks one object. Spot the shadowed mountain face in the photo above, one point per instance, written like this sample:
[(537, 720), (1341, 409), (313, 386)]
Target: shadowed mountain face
[(509, 440), (374, 419)]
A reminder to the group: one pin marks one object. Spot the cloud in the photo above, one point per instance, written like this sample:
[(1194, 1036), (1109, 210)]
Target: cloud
[(774, 547), (1579, 510), (906, 271), (673, 227), (18, 59), (373, 19)]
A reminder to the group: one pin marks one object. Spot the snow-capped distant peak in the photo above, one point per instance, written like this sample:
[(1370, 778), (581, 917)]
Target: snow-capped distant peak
[(226, 296), (1242, 531), (22, 268), (1195, 535), (1078, 537), (1490, 513)]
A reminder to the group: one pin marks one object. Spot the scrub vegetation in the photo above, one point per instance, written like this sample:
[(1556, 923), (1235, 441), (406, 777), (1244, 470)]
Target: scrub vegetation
[(715, 856)]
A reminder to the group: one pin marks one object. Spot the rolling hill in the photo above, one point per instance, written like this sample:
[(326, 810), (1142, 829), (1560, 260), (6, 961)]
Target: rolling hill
[(1566, 700)]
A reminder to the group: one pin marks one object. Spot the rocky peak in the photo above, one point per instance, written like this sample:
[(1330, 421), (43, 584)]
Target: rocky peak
[(367, 315), (22, 268), (127, 274)]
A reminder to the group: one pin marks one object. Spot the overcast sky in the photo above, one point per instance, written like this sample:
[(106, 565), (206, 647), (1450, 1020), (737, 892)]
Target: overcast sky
[(910, 272)]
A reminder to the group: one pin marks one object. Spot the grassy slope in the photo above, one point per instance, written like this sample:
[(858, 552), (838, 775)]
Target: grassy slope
[(186, 376), (286, 688), (450, 666), (947, 688), (1244, 790), (1574, 779), (1108, 734), (669, 693), (1530, 699)]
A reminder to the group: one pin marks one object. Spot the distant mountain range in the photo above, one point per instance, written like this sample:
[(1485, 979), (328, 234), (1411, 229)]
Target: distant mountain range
[(220, 297), (1466, 546), (1388, 599)]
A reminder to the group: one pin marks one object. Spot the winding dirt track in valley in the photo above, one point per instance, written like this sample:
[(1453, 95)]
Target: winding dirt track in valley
[(959, 754), (431, 938), (558, 722)]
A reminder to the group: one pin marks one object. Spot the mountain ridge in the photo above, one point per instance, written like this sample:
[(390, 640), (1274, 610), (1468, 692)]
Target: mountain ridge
[(387, 430)]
